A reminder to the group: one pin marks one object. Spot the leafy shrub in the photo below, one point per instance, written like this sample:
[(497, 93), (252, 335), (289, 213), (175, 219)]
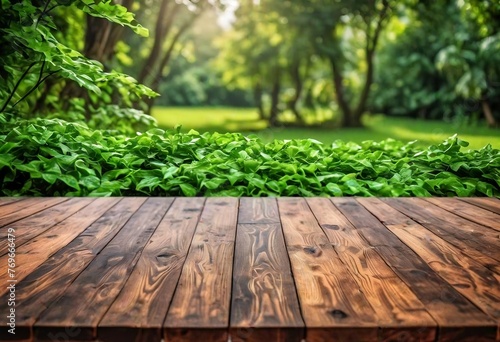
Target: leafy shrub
[(34, 53), (52, 157)]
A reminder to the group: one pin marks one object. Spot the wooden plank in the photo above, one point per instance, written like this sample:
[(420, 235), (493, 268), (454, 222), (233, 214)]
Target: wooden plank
[(264, 303), (31, 226), (48, 281), (484, 260), (138, 312), (7, 200), (400, 313), (467, 211), (491, 204), (474, 281), (333, 305), (444, 224), (263, 211), (200, 308), (458, 318), (98, 285), (12, 212), (33, 253)]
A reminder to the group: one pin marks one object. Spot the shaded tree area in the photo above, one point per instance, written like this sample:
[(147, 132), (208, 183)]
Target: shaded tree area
[(425, 59), (445, 65), (300, 62)]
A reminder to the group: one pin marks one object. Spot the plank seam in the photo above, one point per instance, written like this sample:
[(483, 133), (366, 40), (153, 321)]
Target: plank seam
[(458, 213), (134, 261), (52, 226), (384, 259), (163, 336), (83, 269), (304, 331), (472, 261), (346, 267), (33, 213), (439, 328), (425, 224)]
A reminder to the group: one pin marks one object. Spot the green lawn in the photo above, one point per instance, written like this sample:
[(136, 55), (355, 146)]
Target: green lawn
[(378, 127)]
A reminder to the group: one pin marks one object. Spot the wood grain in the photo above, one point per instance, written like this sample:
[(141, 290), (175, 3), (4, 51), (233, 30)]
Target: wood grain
[(333, 305), (34, 225), (263, 210), (48, 281), (97, 286), (474, 281), (458, 318), (400, 313), (33, 253), (468, 211), (7, 200), (491, 204), (444, 224), (200, 307), (17, 210), (264, 300), (138, 312), (250, 269), (397, 218)]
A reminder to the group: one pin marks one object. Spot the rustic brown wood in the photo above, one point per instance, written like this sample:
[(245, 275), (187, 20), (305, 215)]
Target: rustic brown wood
[(20, 209), (31, 226), (250, 269), (333, 305), (7, 200), (444, 224), (200, 307), (468, 211), (458, 318), (400, 313), (264, 210), (491, 204), (98, 285), (47, 282), (264, 300), (140, 309), (478, 256), (474, 281), (33, 253)]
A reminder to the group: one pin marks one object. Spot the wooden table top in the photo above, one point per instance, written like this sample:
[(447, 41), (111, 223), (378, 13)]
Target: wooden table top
[(250, 269)]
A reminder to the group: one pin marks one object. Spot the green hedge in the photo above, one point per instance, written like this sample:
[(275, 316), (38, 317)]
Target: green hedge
[(44, 157)]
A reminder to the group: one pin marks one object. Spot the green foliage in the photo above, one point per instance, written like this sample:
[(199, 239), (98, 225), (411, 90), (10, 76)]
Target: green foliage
[(32, 51), (116, 120), (54, 157)]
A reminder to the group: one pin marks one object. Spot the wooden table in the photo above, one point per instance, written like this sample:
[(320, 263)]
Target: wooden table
[(252, 269)]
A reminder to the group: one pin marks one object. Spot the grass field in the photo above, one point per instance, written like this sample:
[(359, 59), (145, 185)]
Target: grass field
[(377, 128)]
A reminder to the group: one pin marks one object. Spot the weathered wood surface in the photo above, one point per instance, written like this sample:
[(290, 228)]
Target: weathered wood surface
[(252, 269), (264, 299)]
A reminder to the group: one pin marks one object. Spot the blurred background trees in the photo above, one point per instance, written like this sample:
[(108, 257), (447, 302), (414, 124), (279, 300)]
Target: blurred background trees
[(297, 62)]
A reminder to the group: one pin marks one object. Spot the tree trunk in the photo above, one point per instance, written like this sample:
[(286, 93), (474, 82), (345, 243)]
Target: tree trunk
[(338, 82), (101, 37), (166, 58), (355, 119), (164, 23), (257, 96), (490, 119), (297, 80), (275, 94), (352, 117)]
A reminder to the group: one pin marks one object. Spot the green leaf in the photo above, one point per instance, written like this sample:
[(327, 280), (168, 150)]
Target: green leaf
[(188, 190)]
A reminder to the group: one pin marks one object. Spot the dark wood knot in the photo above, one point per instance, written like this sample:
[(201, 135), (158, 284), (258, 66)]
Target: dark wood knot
[(337, 314), (313, 250), (331, 226)]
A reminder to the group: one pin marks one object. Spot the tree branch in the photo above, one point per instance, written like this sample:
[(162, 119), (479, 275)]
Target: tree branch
[(11, 95), (40, 81)]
